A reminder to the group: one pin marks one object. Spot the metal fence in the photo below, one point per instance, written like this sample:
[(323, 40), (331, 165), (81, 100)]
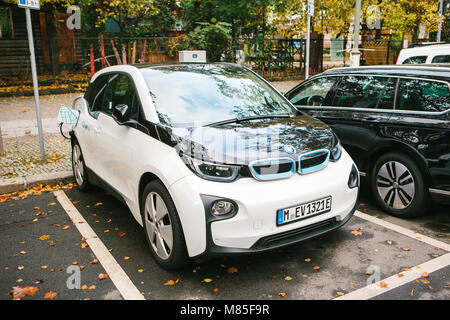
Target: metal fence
[(271, 58)]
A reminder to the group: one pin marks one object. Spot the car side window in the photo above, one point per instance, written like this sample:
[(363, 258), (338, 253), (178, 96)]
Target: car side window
[(365, 92), (441, 59), (415, 60), (121, 90), (94, 94), (314, 93), (423, 95)]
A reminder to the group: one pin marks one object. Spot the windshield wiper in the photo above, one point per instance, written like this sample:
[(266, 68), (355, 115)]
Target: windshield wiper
[(238, 120)]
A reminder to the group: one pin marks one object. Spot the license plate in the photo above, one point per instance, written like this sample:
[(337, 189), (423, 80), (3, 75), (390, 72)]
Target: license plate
[(303, 211)]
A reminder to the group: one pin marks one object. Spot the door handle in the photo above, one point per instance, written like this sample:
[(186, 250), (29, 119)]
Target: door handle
[(98, 130)]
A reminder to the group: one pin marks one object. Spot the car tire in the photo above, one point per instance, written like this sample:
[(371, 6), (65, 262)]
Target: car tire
[(79, 168), (162, 227), (398, 186)]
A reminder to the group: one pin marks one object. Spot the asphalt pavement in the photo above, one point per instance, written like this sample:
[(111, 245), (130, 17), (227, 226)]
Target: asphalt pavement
[(41, 243)]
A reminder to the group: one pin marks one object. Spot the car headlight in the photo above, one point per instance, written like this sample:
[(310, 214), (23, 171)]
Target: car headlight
[(211, 171), (336, 151)]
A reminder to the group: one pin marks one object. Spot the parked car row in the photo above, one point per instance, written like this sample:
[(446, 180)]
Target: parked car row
[(212, 160)]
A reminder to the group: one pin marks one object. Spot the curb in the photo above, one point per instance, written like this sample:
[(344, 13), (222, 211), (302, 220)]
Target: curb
[(23, 183)]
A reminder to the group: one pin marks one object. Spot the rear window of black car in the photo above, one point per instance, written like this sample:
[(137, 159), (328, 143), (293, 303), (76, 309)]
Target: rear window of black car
[(423, 95), (365, 92)]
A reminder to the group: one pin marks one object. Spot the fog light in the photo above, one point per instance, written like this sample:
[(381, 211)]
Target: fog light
[(353, 179), (222, 207)]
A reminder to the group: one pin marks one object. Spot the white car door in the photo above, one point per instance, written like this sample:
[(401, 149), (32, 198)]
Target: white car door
[(116, 150), (87, 128)]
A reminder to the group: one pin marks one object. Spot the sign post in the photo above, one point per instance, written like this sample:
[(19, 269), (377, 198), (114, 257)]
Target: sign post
[(441, 12), (355, 54), (27, 5), (308, 37)]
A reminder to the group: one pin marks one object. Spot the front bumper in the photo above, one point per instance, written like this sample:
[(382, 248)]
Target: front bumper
[(253, 229)]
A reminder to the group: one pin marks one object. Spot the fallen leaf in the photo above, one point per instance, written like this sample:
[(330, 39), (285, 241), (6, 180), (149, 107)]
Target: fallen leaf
[(44, 267), (23, 252), (22, 291), (400, 275), (215, 290), (430, 288), (98, 204), (95, 261), (307, 260), (122, 234), (389, 242), (207, 280), (425, 275), (102, 276), (44, 237), (281, 294), (406, 249), (92, 287), (340, 293), (357, 232), (316, 268), (65, 227), (52, 203), (169, 283), (20, 267), (50, 295), (84, 245), (383, 284), (140, 270), (287, 278), (126, 258), (232, 270)]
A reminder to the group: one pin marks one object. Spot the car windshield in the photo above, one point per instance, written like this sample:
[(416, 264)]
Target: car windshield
[(208, 93)]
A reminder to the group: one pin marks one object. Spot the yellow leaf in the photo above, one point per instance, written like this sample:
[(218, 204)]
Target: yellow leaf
[(340, 293), (169, 283), (207, 280), (287, 278), (140, 270), (44, 237), (282, 294), (50, 295), (52, 203)]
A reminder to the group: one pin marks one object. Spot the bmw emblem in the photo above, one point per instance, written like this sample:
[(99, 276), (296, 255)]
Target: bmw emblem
[(289, 149)]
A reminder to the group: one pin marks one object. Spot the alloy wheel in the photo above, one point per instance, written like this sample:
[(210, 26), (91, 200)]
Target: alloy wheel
[(395, 185), (77, 163), (158, 225)]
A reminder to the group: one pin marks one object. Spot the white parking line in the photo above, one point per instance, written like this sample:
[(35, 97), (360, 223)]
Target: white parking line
[(415, 235), (117, 275), (395, 281)]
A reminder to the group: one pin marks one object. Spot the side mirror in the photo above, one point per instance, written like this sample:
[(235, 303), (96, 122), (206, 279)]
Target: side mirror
[(121, 113)]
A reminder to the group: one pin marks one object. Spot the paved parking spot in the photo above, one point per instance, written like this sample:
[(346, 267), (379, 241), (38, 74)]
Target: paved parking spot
[(40, 245), (327, 267), (342, 257)]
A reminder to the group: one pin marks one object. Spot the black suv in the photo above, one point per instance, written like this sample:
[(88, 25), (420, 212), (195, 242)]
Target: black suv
[(395, 123)]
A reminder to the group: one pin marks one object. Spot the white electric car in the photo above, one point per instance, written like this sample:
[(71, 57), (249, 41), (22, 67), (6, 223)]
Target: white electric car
[(210, 159)]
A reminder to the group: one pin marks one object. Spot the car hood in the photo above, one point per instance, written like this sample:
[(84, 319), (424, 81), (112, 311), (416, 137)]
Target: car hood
[(241, 143)]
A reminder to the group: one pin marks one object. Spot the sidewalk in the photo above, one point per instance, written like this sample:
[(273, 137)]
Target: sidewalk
[(21, 166)]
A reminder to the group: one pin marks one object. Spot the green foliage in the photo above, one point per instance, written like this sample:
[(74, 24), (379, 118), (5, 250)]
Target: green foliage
[(215, 38)]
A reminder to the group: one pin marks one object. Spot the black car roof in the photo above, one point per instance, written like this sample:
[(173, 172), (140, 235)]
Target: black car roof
[(423, 70)]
